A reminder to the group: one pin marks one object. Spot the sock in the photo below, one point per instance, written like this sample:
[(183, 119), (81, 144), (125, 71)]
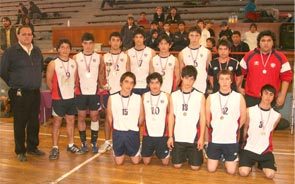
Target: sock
[(70, 145), (94, 136), (82, 136), (55, 147)]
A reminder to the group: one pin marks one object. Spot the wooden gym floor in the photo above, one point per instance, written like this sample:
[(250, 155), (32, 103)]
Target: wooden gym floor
[(100, 168)]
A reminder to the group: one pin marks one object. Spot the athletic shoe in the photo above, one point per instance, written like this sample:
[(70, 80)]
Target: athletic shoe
[(94, 148), (54, 154), (36, 152), (75, 149), (84, 147), (22, 157), (107, 145)]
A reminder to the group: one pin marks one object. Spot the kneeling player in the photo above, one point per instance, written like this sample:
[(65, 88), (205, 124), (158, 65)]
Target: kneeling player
[(155, 130), (187, 122), (225, 114), (125, 114), (262, 120)]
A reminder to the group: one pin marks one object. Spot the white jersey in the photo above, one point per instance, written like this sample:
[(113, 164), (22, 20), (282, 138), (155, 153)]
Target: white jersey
[(205, 34), (126, 111), (88, 68), (140, 64), (259, 134), (187, 108), (155, 108), (198, 58), (165, 66), (115, 67), (225, 112), (251, 39), (63, 83)]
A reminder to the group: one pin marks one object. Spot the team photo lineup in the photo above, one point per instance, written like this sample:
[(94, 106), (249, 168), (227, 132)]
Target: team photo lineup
[(162, 99)]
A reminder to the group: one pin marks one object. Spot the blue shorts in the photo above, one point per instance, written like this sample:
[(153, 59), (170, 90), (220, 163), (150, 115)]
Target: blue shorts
[(154, 144), (85, 102), (126, 143), (64, 107), (229, 151)]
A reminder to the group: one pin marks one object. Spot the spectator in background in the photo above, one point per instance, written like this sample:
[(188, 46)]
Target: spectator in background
[(209, 25), (211, 44), (154, 26), (142, 19), (250, 37), (26, 21), (127, 32), (173, 17), (152, 41), (159, 16), (34, 11), (205, 33), (180, 38), (225, 32), (238, 45), (109, 2), (7, 34), (250, 11), (21, 13), (167, 30)]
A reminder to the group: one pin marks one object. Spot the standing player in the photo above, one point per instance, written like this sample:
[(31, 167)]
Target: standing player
[(225, 114), (155, 133), (125, 114), (261, 122), (187, 122), (140, 57), (166, 64), (116, 63), (90, 78), (224, 62), (60, 78), (198, 56)]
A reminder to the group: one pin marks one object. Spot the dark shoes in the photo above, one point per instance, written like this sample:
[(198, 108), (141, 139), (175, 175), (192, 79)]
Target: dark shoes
[(22, 157), (54, 154), (36, 152)]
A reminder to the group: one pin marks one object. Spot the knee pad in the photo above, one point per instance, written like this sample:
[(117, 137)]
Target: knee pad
[(94, 126)]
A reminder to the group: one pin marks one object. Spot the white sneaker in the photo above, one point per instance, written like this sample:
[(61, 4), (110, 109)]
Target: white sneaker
[(106, 146)]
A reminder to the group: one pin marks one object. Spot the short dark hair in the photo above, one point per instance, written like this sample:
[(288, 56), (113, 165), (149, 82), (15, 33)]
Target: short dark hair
[(64, 40), (154, 75), (87, 37), (128, 74), (154, 22), (23, 26), (268, 87), (189, 71), (164, 37), (271, 89), (266, 33), (237, 33), (224, 43), (211, 39), (139, 31), (142, 13), (225, 72), (7, 19), (115, 34), (181, 22), (167, 22), (253, 25), (200, 20), (195, 29)]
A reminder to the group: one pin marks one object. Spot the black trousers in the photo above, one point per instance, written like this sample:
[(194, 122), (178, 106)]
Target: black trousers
[(25, 107)]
